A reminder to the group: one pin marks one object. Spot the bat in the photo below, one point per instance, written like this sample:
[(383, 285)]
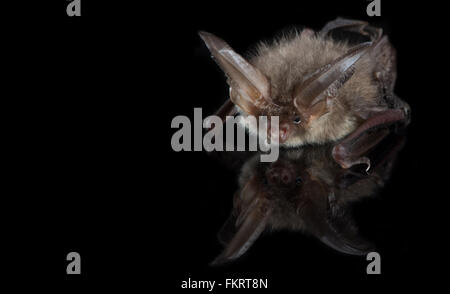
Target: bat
[(304, 190), (323, 90)]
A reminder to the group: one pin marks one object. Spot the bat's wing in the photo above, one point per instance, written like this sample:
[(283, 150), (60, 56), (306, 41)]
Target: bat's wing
[(351, 25), (385, 72), (353, 149), (382, 51), (385, 66)]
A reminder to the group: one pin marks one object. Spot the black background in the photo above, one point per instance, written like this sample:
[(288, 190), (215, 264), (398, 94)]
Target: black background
[(96, 173)]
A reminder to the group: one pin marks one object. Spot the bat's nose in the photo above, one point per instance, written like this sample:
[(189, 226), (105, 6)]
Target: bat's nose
[(279, 176), (283, 132)]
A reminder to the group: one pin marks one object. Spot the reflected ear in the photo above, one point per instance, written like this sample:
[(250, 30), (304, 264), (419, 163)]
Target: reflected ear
[(246, 223), (332, 224), (312, 97), (245, 235), (250, 89), (340, 231)]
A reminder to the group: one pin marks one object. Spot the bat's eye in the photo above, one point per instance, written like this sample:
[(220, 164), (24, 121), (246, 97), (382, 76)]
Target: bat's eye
[(297, 120), (298, 181)]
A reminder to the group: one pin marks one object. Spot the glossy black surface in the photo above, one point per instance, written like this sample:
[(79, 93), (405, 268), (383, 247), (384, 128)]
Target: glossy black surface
[(97, 173)]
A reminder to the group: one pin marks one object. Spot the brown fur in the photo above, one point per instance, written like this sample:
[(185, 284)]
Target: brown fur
[(290, 59)]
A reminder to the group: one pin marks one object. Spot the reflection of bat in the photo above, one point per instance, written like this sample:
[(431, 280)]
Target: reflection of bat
[(304, 190), (322, 90)]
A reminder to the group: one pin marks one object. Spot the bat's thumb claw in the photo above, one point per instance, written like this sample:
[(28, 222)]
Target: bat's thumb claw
[(367, 162), (363, 160), (348, 163)]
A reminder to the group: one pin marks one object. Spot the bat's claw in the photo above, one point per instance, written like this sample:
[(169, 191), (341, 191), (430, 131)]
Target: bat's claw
[(407, 113), (349, 162)]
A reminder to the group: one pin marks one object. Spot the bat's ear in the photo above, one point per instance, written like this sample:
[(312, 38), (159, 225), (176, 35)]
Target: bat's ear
[(246, 234), (340, 232), (313, 96), (243, 228), (250, 89)]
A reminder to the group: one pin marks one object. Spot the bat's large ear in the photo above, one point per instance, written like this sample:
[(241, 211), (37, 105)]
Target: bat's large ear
[(339, 231), (246, 234), (313, 96), (246, 223), (250, 89)]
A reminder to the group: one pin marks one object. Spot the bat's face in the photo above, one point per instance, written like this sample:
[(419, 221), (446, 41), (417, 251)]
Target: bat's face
[(322, 123), (301, 93), (284, 180), (292, 128), (296, 129), (283, 175)]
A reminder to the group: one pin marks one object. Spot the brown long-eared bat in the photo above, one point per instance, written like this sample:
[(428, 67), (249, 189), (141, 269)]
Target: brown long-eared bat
[(323, 90)]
